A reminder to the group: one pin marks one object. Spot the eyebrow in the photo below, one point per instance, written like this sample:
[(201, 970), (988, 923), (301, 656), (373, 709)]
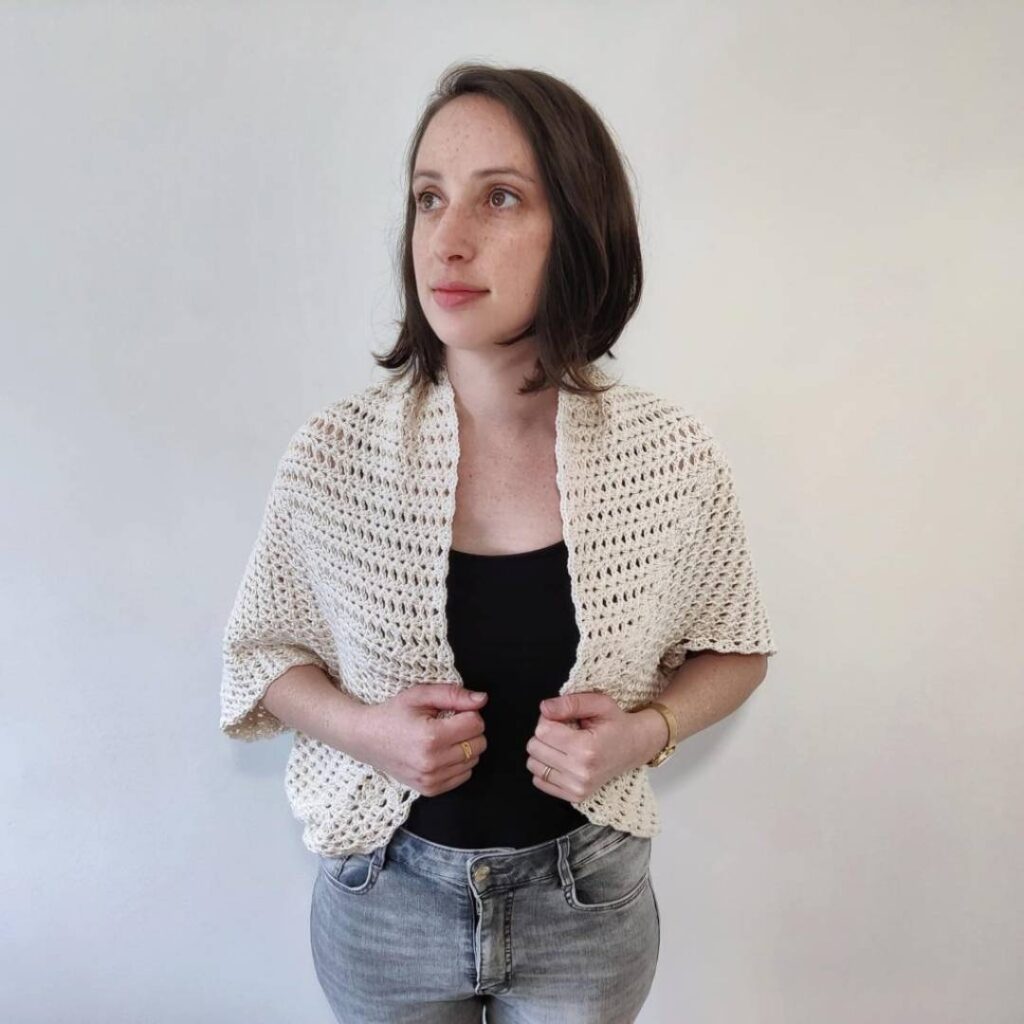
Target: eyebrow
[(485, 173)]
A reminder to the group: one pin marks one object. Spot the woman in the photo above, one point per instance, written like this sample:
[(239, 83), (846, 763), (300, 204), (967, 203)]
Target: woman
[(509, 521)]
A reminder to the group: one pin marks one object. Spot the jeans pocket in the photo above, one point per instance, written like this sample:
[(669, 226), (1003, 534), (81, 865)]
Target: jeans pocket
[(611, 878), (352, 873)]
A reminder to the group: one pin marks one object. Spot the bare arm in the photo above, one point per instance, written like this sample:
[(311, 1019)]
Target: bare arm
[(304, 698), (702, 691)]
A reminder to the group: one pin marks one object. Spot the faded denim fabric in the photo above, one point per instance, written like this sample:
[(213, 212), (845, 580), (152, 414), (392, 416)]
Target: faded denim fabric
[(566, 931)]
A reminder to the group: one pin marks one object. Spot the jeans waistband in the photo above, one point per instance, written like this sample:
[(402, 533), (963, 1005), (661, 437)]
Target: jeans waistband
[(504, 865)]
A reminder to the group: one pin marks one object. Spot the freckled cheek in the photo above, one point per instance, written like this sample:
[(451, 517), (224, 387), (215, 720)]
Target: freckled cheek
[(525, 250), (535, 250), (419, 262), (518, 277)]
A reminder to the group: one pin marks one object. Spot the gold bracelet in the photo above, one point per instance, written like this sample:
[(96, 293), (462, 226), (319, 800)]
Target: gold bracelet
[(673, 732)]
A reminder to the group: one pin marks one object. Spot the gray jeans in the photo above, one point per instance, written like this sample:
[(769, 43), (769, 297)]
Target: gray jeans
[(566, 931)]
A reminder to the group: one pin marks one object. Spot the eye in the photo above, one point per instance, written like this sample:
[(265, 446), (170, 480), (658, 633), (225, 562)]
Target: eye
[(420, 198), (503, 191), (506, 192)]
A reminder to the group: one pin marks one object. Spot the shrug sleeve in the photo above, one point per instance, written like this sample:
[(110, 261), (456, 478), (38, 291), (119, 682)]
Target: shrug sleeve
[(275, 623), (721, 607)]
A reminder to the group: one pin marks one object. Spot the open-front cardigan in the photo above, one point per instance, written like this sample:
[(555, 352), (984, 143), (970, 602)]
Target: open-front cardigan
[(349, 568)]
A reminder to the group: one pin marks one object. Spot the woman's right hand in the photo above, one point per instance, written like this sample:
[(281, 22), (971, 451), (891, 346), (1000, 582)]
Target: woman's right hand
[(407, 740)]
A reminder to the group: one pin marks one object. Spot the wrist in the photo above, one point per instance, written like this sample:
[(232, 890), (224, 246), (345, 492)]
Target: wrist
[(654, 732), (352, 725)]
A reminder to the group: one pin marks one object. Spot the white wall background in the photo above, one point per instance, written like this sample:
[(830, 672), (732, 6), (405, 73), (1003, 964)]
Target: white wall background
[(198, 210)]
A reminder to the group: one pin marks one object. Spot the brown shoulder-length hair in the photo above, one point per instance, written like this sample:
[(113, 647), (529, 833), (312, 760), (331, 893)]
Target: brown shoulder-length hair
[(593, 275)]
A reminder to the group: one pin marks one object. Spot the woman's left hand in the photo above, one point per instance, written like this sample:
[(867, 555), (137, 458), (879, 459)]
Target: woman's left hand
[(608, 742)]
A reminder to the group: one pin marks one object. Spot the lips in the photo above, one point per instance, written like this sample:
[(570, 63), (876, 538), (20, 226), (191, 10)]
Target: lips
[(456, 284), (450, 298)]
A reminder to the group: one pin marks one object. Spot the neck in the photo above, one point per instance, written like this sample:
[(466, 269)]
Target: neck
[(487, 399)]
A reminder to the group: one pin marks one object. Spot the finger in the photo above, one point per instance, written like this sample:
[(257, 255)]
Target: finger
[(464, 725), (458, 754), (549, 785), (559, 734), (547, 753)]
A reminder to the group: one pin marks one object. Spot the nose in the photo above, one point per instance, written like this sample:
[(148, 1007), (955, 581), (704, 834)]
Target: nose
[(453, 234)]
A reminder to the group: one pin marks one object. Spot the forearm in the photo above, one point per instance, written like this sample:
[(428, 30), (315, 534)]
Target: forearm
[(703, 690), (305, 698)]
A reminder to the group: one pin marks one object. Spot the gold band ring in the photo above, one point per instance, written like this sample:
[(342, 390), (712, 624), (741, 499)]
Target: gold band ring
[(467, 750), (547, 772)]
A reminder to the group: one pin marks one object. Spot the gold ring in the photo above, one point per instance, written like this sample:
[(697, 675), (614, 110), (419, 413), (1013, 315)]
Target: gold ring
[(547, 772), (467, 750)]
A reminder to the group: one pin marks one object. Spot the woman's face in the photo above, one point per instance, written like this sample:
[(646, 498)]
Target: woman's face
[(489, 231)]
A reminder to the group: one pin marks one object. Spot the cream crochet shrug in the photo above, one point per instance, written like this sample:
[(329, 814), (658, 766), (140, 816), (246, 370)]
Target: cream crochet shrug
[(348, 572)]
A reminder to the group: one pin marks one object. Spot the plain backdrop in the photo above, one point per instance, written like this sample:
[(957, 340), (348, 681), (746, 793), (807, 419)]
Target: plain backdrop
[(199, 208)]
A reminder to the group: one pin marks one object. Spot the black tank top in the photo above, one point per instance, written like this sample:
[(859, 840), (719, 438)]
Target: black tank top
[(512, 628)]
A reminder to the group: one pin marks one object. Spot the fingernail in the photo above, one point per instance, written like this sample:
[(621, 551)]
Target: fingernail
[(478, 696)]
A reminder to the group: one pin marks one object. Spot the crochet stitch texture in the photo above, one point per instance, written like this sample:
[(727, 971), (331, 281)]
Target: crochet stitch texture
[(348, 572)]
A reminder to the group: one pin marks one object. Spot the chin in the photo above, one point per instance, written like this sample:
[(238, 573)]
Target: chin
[(464, 344), (465, 332)]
